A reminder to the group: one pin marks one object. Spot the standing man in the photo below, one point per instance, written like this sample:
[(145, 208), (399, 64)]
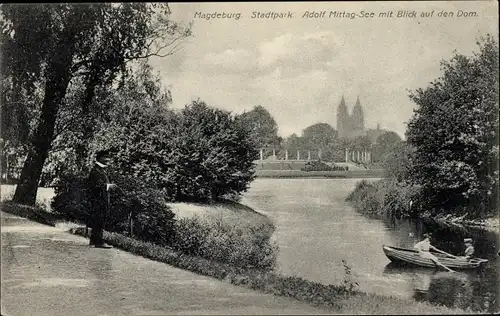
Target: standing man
[(99, 186)]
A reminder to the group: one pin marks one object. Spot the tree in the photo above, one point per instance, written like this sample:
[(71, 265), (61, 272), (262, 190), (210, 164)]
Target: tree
[(262, 127), (387, 140), (321, 137), (385, 144), (293, 143), (140, 94), (139, 127), (197, 154), (397, 163), (214, 155), (55, 44), (455, 132), (362, 142)]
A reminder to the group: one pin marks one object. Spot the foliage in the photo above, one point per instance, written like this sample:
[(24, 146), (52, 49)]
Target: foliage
[(35, 213), (321, 166), (213, 155), (19, 113), (141, 132), (199, 154), (12, 156), (385, 144), (388, 139), (261, 126), (71, 198), (351, 286), (152, 220), (361, 142), (396, 162), (320, 136), (213, 238), (140, 96), (53, 45), (455, 133), (293, 144), (386, 198)]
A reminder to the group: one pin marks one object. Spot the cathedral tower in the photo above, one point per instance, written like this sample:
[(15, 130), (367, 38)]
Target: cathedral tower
[(342, 119), (358, 120), (350, 126)]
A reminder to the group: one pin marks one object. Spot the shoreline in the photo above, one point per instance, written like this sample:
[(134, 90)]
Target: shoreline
[(365, 193), (491, 224)]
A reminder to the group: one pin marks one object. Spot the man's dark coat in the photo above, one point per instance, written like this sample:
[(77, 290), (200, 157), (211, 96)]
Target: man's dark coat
[(99, 203)]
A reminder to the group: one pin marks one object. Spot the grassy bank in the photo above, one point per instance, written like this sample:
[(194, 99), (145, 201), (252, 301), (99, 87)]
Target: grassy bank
[(336, 298), (36, 213), (230, 212)]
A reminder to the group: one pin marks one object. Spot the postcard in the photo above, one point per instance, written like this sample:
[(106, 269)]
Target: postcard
[(250, 158)]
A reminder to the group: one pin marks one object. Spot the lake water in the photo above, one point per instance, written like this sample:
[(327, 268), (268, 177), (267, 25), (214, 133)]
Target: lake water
[(317, 229)]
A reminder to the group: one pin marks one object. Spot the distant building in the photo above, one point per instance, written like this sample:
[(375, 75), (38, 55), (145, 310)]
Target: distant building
[(350, 125)]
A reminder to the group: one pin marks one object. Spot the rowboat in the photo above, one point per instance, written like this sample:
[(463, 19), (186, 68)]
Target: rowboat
[(412, 257)]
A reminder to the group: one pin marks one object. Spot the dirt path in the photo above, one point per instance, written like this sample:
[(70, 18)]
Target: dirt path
[(46, 271)]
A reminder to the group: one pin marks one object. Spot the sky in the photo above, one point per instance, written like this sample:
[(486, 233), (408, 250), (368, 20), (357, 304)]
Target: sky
[(299, 68)]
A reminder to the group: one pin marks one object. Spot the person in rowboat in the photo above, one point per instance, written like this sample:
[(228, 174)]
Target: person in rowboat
[(469, 248), (424, 248)]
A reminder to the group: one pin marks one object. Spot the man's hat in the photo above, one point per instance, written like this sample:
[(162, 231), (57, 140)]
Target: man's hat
[(102, 153), (107, 152), (427, 235), (468, 240)]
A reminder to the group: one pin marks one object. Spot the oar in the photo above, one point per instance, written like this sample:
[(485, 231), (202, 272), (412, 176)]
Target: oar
[(442, 265), (444, 252)]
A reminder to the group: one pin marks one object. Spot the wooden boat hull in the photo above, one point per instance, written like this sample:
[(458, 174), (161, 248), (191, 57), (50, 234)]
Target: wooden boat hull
[(412, 257)]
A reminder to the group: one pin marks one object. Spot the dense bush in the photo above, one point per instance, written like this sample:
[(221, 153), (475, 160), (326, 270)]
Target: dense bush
[(318, 165), (152, 219), (212, 238), (213, 155), (385, 197), (200, 154), (35, 213), (71, 198)]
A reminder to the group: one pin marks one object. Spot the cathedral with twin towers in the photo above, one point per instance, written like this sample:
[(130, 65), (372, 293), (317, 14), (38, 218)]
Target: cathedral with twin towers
[(350, 125)]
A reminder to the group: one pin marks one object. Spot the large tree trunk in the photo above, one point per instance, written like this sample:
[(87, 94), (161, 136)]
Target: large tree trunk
[(82, 149), (55, 91)]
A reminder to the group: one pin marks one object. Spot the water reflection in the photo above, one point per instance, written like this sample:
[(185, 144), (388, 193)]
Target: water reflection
[(316, 229), (476, 289), (462, 289)]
